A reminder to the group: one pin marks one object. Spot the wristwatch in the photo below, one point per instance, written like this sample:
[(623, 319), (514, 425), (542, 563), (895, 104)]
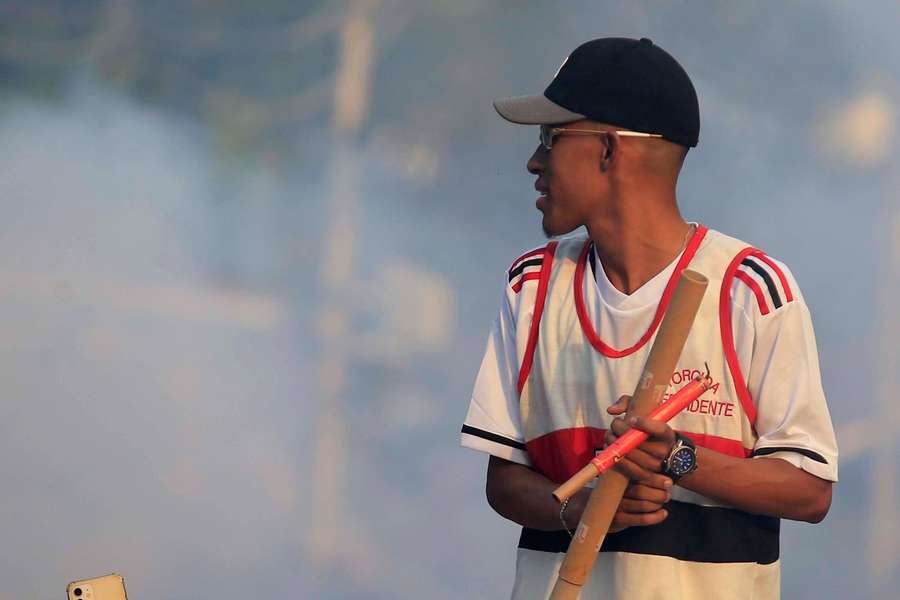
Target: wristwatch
[(682, 458)]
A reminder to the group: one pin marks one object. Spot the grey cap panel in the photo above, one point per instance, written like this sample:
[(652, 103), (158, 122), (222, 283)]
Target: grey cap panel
[(534, 110)]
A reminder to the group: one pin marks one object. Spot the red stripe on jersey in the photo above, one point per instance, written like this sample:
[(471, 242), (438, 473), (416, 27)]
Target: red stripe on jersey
[(719, 444), (781, 277), (524, 256), (734, 366), (757, 291), (517, 286), (585, 320), (528, 359), (560, 454)]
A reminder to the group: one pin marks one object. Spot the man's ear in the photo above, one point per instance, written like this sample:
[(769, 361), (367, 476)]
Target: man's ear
[(611, 141)]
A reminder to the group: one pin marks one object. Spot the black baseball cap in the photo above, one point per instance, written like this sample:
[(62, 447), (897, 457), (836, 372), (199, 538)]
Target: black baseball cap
[(629, 83)]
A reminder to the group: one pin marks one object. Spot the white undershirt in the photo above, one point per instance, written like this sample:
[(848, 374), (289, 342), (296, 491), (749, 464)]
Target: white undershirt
[(647, 294), (624, 318)]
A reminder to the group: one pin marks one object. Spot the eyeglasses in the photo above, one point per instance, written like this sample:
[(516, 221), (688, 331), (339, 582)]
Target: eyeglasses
[(548, 134)]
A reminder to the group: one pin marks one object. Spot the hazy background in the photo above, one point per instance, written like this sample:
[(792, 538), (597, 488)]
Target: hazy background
[(250, 253)]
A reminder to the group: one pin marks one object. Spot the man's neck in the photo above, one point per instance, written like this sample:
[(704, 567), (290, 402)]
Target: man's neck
[(635, 245)]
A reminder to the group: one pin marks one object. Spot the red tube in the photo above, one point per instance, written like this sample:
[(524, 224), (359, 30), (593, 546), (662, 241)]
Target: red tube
[(632, 438)]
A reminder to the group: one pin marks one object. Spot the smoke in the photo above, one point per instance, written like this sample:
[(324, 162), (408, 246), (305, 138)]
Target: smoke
[(153, 400), (161, 366), (162, 318)]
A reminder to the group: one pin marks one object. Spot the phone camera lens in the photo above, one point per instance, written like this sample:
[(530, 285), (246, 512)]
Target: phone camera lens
[(77, 592)]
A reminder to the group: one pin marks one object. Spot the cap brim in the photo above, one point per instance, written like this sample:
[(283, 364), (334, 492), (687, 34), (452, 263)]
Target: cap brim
[(534, 110)]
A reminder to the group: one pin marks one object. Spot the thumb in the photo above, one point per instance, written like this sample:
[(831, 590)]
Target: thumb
[(620, 406)]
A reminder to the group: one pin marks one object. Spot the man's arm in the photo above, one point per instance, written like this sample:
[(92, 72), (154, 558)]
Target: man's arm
[(792, 419), (525, 496), (764, 486)]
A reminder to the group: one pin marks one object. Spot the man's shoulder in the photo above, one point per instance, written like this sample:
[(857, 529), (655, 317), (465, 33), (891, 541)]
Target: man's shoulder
[(526, 267), (529, 265), (734, 249), (720, 246), (760, 284)]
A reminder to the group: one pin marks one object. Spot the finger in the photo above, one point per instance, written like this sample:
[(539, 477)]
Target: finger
[(657, 481), (638, 474), (634, 471), (640, 491), (620, 406), (655, 446), (639, 506), (645, 460), (619, 426), (624, 519), (653, 428), (657, 449), (609, 438)]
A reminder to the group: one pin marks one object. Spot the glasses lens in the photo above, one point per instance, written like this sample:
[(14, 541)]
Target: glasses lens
[(546, 136)]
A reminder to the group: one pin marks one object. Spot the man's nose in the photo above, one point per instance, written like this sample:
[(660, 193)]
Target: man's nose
[(538, 161)]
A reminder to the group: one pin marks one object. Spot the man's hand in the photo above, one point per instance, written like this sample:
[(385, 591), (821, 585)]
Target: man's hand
[(642, 504), (648, 491)]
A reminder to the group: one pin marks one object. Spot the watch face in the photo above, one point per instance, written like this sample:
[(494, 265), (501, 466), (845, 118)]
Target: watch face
[(683, 461)]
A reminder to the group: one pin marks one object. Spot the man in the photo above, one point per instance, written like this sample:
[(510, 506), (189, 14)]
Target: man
[(577, 321)]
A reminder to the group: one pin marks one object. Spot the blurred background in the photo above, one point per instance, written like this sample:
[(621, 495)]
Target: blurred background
[(250, 252)]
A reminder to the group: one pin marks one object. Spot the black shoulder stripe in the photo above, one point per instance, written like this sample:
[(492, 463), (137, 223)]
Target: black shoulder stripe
[(804, 451), (492, 437), (770, 283), (534, 262)]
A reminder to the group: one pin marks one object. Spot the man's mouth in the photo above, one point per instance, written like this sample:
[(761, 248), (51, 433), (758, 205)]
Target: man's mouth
[(544, 198)]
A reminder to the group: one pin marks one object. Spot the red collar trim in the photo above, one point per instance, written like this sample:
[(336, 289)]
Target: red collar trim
[(591, 333)]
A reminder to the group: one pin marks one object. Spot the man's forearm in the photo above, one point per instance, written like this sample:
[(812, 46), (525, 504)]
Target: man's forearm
[(525, 496), (765, 486)]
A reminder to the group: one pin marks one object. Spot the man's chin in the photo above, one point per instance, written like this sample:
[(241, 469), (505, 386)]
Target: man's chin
[(552, 230), (547, 231)]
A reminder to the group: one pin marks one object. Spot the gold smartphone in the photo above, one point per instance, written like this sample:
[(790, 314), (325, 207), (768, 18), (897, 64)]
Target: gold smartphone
[(108, 587)]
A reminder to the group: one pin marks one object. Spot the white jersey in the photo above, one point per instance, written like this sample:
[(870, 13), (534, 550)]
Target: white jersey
[(567, 344)]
